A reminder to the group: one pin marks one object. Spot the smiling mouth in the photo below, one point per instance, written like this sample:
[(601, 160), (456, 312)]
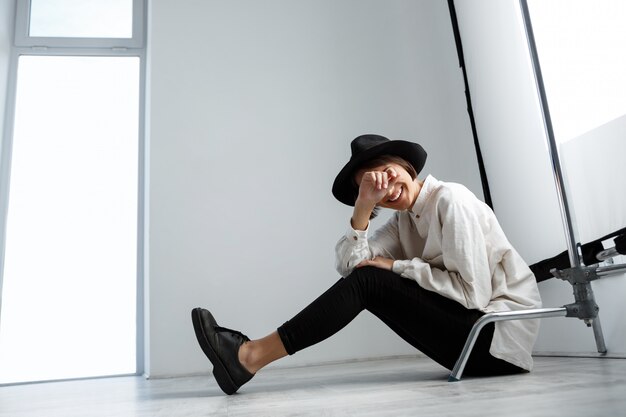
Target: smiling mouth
[(396, 195)]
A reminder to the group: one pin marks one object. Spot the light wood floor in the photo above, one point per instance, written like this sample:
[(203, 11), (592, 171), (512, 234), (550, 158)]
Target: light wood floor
[(585, 387)]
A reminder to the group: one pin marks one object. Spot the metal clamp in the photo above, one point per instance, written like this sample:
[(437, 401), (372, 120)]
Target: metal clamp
[(584, 306)]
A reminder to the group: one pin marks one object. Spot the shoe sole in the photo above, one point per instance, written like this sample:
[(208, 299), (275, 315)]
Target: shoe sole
[(219, 370)]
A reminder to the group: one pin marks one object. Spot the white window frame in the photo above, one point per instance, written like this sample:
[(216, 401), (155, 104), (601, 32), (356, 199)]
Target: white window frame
[(23, 38), (24, 45)]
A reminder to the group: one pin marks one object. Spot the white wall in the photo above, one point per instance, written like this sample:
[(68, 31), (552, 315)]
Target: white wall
[(510, 129), (252, 108)]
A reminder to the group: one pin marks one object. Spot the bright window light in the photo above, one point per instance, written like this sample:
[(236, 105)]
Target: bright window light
[(70, 271), (581, 46), (82, 18)]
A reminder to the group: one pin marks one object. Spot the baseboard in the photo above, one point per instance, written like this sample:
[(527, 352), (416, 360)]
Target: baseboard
[(608, 355)]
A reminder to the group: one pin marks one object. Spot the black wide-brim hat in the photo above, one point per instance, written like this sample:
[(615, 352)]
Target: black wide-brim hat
[(367, 147)]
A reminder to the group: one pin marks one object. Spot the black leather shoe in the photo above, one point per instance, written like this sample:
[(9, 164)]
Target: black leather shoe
[(221, 346)]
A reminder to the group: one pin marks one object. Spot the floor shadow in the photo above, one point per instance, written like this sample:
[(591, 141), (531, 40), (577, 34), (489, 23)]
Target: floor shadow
[(209, 393), (353, 379)]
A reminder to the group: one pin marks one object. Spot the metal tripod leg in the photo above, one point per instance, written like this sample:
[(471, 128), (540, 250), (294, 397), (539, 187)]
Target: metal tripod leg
[(459, 367), (597, 332)]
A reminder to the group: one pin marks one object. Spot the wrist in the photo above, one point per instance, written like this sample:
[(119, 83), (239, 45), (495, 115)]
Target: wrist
[(364, 205), (361, 215)]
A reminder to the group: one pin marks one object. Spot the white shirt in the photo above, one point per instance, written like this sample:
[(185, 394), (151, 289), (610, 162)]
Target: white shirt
[(451, 243)]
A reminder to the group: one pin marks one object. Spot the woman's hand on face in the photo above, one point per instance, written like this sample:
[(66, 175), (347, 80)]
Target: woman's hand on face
[(378, 262), (375, 184)]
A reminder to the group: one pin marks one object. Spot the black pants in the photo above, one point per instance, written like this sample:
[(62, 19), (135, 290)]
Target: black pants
[(433, 324)]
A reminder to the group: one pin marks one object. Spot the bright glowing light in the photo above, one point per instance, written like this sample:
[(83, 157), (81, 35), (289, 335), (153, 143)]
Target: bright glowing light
[(69, 292)]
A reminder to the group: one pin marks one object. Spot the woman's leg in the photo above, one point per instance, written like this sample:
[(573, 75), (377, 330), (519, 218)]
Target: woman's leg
[(256, 354), (433, 324)]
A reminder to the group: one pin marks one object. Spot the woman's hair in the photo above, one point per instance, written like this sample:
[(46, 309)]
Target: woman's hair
[(378, 161)]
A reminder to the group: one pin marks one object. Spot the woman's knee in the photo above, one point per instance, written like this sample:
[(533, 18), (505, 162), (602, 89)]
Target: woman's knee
[(369, 281), (364, 273)]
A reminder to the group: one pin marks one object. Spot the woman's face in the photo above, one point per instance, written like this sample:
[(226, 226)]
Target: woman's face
[(402, 193)]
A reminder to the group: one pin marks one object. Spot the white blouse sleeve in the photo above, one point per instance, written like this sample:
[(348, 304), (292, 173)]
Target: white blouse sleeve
[(467, 277), (355, 246)]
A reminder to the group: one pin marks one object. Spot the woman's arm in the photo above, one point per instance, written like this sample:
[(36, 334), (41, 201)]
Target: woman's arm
[(372, 189), (467, 276), (355, 247)]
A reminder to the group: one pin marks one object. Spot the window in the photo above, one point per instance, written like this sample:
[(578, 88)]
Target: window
[(71, 279), (80, 23), (81, 18)]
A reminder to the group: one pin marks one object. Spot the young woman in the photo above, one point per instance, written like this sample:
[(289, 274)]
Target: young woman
[(429, 273)]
